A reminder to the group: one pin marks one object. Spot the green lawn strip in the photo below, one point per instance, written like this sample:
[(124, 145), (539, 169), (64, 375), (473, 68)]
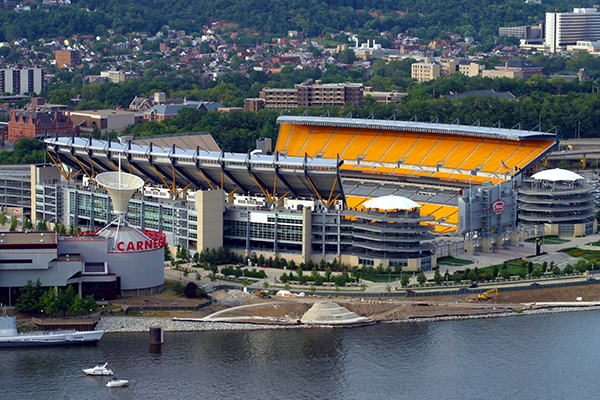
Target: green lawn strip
[(589, 255), (448, 260), (552, 239)]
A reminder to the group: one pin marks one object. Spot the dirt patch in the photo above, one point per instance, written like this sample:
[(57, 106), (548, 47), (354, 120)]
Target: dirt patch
[(379, 310)]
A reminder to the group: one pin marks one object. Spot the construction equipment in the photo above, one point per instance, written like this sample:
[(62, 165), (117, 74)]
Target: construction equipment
[(485, 296), (262, 294)]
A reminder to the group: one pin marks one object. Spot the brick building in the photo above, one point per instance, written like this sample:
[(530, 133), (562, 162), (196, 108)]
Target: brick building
[(318, 94), (64, 58), (36, 124)]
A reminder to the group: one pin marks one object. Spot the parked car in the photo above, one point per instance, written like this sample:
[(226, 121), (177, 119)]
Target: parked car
[(591, 279), (409, 291), (473, 285), (534, 284)]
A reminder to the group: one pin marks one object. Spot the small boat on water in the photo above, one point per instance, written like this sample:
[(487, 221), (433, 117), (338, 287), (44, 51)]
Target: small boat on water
[(99, 369), (114, 382)]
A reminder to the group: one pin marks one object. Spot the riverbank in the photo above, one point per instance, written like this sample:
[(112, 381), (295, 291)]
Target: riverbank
[(143, 324)]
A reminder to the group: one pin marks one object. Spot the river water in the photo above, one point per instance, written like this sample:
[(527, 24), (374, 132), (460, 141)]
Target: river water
[(547, 356)]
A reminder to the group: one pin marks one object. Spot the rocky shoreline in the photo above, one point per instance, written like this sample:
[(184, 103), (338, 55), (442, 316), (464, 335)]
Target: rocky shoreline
[(139, 324)]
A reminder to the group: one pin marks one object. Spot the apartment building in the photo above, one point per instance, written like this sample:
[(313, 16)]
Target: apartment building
[(21, 81), (525, 32), (308, 94), (430, 70)]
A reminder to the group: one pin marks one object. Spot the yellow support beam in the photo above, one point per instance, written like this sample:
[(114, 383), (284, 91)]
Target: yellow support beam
[(234, 190), (163, 179), (84, 170), (333, 201), (174, 187), (331, 192), (208, 180), (265, 192), (59, 166), (73, 174), (315, 190), (178, 193)]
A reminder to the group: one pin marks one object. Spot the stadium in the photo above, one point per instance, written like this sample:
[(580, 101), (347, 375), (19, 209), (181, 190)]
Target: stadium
[(305, 201)]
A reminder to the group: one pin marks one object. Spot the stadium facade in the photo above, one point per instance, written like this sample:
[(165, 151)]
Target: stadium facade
[(304, 202)]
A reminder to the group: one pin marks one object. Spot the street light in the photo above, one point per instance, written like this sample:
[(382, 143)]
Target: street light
[(578, 129)]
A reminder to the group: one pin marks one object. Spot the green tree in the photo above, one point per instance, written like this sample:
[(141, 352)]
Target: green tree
[(421, 278), (181, 254), (41, 226), (405, 279), (556, 270), (437, 277), (568, 270), (64, 298), (13, 224), (168, 256), (29, 296), (3, 219), (48, 302), (90, 304), (77, 306)]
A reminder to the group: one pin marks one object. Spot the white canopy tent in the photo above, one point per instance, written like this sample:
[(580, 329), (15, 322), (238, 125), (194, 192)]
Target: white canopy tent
[(391, 202), (557, 174)]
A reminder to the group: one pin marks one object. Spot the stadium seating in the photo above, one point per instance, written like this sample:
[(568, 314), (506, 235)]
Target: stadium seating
[(296, 140), (421, 148), (317, 141), (381, 145), (402, 146), (486, 148), (359, 144), (462, 151), (339, 142), (441, 150)]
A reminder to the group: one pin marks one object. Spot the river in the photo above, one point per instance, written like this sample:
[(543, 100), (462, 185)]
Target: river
[(523, 357)]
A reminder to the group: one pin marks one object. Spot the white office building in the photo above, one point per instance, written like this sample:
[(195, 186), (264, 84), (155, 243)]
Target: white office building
[(563, 29)]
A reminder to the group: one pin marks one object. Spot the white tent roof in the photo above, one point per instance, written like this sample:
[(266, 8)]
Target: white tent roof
[(557, 174), (391, 202)]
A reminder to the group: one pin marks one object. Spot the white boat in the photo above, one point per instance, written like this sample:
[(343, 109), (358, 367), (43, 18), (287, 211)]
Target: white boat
[(99, 369), (114, 382), (9, 337)]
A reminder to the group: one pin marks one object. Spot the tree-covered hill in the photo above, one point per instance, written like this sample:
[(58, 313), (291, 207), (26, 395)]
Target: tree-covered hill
[(424, 18)]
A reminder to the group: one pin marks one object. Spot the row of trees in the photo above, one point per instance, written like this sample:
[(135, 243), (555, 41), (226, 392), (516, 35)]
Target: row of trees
[(34, 298), (426, 19)]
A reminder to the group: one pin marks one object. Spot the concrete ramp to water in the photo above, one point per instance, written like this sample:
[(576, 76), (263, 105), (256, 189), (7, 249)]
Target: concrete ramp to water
[(329, 314)]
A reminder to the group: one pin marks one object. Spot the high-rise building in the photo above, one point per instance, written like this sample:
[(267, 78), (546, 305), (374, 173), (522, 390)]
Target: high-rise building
[(563, 29), (21, 81)]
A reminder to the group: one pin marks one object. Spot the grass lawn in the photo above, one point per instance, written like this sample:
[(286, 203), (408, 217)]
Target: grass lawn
[(551, 239), (448, 260), (513, 266), (589, 255)]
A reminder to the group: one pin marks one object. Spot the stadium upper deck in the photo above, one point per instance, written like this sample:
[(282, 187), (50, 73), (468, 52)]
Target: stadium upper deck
[(179, 169), (460, 153)]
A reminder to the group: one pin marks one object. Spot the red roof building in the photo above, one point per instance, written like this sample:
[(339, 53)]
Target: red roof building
[(37, 124)]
